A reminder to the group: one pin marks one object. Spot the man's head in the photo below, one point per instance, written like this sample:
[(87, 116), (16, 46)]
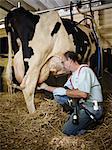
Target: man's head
[(72, 55), (71, 61)]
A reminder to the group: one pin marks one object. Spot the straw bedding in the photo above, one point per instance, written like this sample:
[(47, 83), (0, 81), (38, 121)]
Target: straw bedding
[(42, 130)]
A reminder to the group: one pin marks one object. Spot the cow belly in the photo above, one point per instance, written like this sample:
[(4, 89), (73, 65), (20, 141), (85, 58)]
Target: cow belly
[(19, 66)]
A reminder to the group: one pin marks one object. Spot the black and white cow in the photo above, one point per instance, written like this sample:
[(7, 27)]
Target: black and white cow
[(38, 42)]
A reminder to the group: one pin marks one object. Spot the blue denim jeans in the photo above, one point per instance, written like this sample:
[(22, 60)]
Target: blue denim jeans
[(84, 120), (61, 99)]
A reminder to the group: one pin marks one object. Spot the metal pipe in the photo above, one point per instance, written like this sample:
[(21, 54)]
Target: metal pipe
[(95, 8), (4, 8), (102, 7), (63, 7), (18, 4)]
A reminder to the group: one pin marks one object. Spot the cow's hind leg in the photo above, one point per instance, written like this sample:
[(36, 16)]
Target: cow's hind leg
[(30, 81), (29, 99)]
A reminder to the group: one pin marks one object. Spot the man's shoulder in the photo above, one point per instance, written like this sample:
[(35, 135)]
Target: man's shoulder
[(85, 68)]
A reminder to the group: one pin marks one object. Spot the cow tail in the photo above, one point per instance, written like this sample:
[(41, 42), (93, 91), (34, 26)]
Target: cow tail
[(9, 65)]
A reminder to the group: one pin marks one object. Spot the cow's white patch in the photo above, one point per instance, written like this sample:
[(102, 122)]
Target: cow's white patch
[(18, 63)]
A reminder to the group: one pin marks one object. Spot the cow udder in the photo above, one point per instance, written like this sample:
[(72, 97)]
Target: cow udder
[(53, 65)]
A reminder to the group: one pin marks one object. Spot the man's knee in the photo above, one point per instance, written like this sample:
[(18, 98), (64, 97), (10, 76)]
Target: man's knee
[(70, 130), (60, 99), (57, 98)]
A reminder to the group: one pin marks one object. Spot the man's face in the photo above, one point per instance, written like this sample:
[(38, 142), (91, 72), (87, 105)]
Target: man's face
[(67, 63)]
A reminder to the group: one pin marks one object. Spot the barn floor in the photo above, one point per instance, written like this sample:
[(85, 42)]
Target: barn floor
[(42, 130)]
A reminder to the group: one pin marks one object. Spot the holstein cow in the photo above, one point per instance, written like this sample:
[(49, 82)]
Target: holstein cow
[(38, 42)]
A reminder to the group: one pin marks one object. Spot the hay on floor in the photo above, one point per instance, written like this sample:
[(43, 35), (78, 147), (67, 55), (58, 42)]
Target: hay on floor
[(42, 130)]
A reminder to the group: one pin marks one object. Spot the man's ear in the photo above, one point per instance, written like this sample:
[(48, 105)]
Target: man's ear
[(69, 59)]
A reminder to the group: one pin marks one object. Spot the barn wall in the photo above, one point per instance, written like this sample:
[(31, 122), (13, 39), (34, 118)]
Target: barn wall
[(2, 33), (3, 63), (105, 26), (3, 13)]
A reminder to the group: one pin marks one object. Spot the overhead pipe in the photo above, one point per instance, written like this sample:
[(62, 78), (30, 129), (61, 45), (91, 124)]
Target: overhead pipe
[(85, 10), (18, 4), (64, 7), (95, 8), (4, 8)]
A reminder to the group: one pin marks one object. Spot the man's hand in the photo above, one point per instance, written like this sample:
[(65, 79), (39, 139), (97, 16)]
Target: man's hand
[(59, 91), (43, 86)]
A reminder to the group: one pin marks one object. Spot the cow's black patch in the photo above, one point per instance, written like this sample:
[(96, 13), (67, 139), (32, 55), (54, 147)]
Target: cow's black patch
[(23, 25), (15, 46), (91, 35), (31, 51), (26, 63), (13, 77), (88, 54), (56, 28), (80, 38), (26, 66)]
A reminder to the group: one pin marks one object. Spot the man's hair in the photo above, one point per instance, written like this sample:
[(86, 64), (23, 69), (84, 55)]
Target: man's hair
[(72, 55)]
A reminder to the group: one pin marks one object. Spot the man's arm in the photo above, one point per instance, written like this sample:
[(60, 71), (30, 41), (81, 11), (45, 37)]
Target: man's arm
[(71, 93), (76, 93)]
